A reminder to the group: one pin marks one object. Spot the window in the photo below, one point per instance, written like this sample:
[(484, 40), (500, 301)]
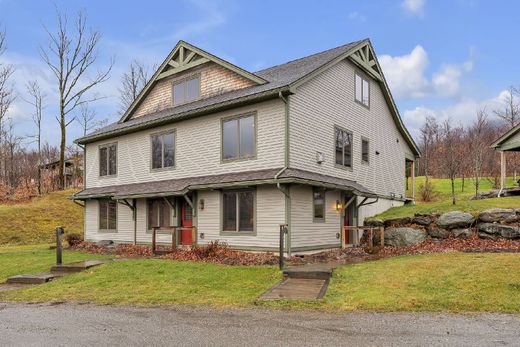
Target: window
[(343, 147), (186, 91), (163, 150), (362, 90), (238, 211), (239, 138), (318, 204), (107, 215), (159, 213), (365, 147), (108, 160)]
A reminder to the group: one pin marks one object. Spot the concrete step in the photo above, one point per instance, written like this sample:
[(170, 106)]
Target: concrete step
[(297, 289), (312, 271), (32, 279), (77, 266)]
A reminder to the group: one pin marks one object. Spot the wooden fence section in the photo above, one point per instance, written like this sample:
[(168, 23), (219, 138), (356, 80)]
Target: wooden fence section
[(174, 231), (359, 231)]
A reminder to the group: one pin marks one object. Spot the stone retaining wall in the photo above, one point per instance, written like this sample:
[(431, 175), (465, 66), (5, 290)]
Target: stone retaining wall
[(489, 224)]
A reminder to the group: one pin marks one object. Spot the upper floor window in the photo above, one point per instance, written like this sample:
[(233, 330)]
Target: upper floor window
[(163, 150), (108, 160), (238, 210), (186, 90), (318, 204), (343, 147), (362, 90), (365, 147), (107, 215), (239, 137)]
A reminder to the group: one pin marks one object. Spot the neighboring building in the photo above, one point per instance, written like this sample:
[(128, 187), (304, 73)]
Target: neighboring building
[(316, 143), (508, 142), (73, 174)]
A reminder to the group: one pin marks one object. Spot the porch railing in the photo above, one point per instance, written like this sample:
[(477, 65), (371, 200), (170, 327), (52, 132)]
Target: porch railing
[(174, 235), (359, 231)]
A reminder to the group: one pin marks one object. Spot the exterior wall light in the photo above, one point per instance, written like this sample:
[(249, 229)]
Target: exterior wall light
[(201, 204), (339, 205)]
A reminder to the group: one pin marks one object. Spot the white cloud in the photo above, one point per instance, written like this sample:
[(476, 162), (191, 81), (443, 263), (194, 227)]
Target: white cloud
[(407, 78), (356, 16), (414, 7)]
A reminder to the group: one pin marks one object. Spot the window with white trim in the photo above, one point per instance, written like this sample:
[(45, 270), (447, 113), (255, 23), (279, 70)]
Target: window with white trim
[(362, 90), (343, 147), (318, 204)]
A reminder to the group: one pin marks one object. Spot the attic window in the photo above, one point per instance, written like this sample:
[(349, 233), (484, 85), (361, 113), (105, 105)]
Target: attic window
[(186, 90), (362, 90)]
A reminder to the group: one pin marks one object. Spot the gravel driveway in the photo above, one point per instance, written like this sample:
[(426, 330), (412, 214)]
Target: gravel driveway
[(87, 325)]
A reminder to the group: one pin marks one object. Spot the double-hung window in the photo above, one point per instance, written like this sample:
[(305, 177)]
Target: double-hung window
[(159, 214), (186, 90), (238, 209), (163, 150), (107, 215), (239, 137), (318, 204), (362, 90), (343, 147), (365, 148), (108, 160)]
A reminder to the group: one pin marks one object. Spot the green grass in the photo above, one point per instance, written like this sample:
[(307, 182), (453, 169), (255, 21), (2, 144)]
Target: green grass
[(454, 282), (35, 221), (16, 260), (443, 202), (156, 282)]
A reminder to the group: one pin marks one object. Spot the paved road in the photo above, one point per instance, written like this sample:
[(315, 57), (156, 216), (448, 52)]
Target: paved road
[(89, 325)]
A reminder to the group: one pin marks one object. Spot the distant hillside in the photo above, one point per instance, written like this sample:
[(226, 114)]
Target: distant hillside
[(35, 222)]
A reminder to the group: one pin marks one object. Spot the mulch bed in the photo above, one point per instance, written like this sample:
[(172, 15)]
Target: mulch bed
[(220, 253)]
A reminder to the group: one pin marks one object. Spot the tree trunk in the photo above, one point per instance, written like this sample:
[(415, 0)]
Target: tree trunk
[(453, 190), (63, 129), (463, 183)]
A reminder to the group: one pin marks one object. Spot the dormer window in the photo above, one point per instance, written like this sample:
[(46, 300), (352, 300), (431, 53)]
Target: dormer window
[(186, 90), (362, 90)]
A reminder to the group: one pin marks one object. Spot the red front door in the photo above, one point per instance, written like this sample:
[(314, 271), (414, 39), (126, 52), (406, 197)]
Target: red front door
[(186, 221)]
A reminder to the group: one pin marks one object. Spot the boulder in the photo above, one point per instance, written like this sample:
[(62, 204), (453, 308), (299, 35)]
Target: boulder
[(462, 233), (422, 220), (495, 231), (105, 243), (374, 222), (398, 221), (455, 219), (503, 215), (438, 233), (404, 236)]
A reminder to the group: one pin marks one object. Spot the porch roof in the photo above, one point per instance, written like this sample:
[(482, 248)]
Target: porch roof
[(182, 186)]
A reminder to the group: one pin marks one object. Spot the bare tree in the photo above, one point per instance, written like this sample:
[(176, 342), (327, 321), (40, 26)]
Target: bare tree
[(86, 118), (428, 137), (453, 151), (479, 145), (71, 53), (7, 97), (510, 114), (37, 97), (132, 82)]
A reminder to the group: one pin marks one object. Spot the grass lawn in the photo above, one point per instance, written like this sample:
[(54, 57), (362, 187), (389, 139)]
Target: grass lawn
[(35, 221), (455, 282), (443, 202), (16, 260), (155, 282)]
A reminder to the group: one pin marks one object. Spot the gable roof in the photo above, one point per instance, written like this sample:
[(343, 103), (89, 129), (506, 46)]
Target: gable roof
[(279, 79), (503, 143)]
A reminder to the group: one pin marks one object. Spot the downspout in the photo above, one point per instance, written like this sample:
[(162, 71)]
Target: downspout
[(286, 191)]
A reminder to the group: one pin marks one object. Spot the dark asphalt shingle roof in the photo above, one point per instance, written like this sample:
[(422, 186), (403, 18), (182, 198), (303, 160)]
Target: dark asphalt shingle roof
[(278, 77), (183, 185)]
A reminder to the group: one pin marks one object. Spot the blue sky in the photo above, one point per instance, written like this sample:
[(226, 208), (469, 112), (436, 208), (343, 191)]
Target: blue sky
[(445, 58)]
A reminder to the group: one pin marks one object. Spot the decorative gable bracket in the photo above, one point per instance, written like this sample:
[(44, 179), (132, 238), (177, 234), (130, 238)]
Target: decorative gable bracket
[(365, 57), (183, 59)]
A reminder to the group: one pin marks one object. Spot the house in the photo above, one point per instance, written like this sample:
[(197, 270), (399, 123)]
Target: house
[(73, 173), (508, 142), (221, 153)]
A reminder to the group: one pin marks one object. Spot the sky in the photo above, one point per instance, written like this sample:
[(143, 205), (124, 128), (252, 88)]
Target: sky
[(441, 58)]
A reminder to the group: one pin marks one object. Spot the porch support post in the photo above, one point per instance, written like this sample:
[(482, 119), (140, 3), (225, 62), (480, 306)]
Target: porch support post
[(502, 172), (412, 174), (134, 204)]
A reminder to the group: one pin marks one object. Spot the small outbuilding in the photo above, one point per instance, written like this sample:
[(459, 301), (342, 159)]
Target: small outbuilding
[(509, 142)]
